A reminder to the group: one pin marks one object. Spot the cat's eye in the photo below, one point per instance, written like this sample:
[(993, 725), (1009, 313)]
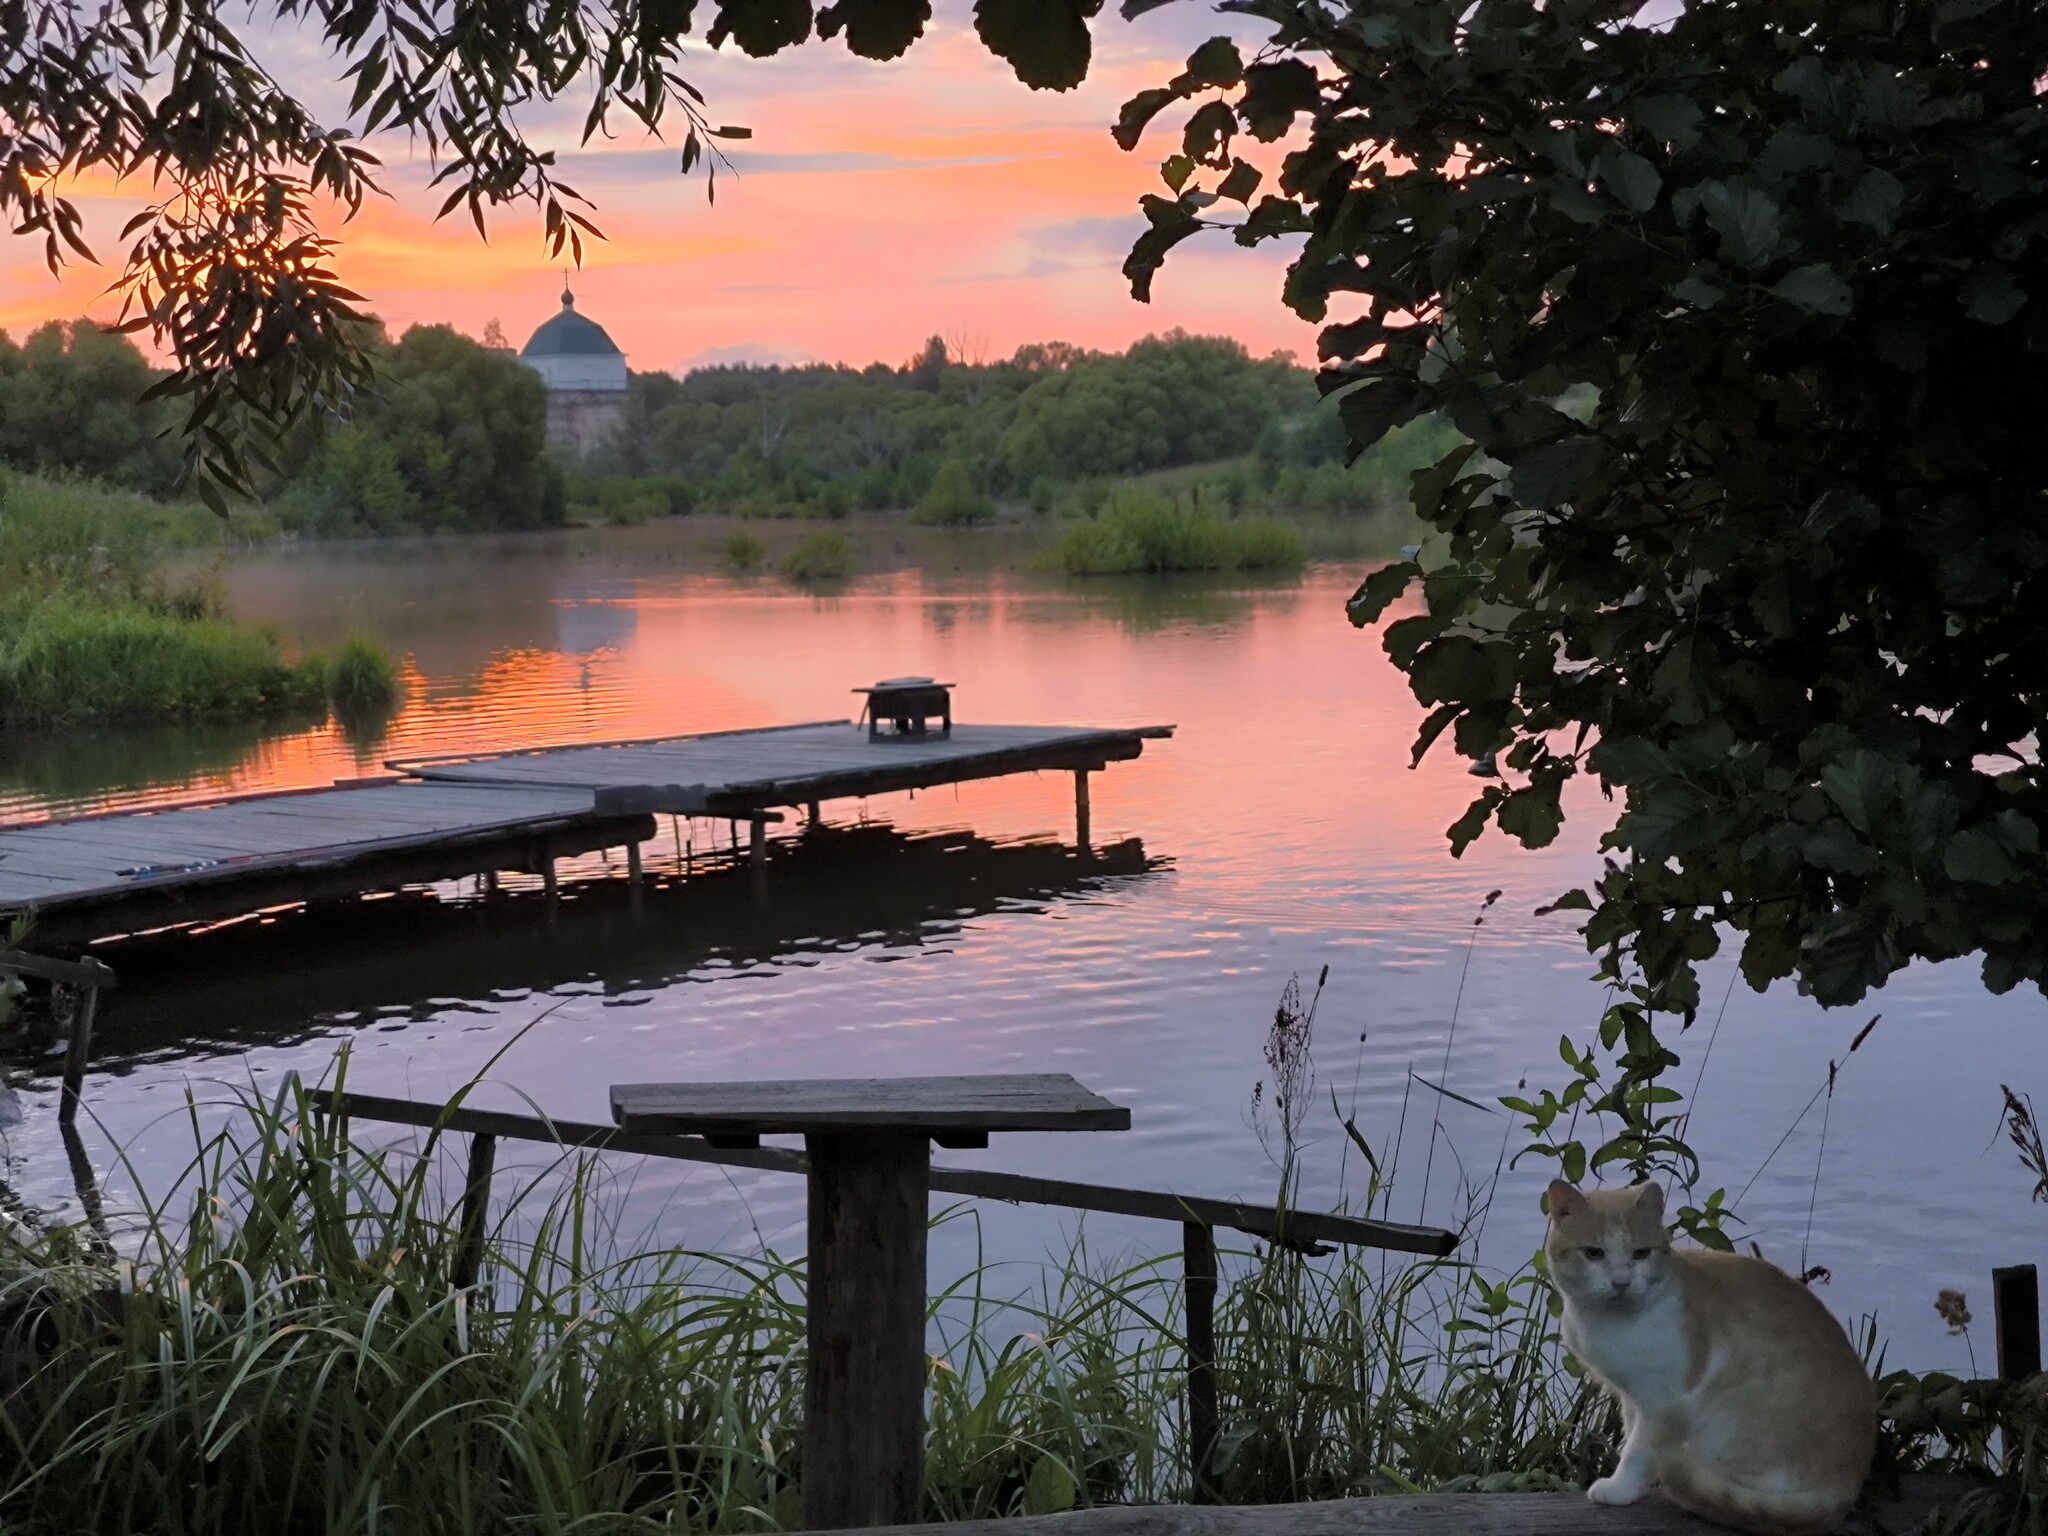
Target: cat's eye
[(1641, 1254), (1596, 1253)]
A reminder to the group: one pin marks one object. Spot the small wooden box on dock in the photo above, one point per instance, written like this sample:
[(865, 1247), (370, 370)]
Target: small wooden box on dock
[(907, 703), (870, 1189)]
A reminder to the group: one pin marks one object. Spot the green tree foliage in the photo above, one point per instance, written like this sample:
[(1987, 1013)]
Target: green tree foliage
[(449, 436), (69, 404), (829, 437), (1780, 582), (953, 497)]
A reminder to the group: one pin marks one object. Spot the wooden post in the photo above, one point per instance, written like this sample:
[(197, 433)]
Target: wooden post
[(757, 859), (812, 817), (476, 1205), (2016, 1301), (548, 882), (1081, 828), (864, 1391), (633, 862), (1198, 1270), (76, 1054)]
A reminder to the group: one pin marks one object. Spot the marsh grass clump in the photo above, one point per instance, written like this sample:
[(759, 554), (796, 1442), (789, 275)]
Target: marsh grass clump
[(1142, 531), (825, 555), (743, 549), (362, 678)]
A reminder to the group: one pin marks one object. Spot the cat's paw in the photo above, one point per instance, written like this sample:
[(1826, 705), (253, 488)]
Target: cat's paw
[(1615, 1490)]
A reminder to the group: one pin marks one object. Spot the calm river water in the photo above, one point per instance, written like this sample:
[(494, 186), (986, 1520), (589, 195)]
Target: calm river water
[(1279, 832)]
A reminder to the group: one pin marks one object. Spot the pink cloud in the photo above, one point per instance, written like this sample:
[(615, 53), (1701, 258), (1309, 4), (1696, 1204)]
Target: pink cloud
[(875, 205)]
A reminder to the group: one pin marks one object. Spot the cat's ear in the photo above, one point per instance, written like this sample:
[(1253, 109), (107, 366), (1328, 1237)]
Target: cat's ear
[(1650, 1199), (1563, 1198)]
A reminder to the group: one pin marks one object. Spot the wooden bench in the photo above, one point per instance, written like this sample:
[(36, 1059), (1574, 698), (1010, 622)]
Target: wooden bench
[(1199, 1216), (870, 1191)]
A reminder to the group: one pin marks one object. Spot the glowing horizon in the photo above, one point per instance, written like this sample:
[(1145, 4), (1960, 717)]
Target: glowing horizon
[(876, 205)]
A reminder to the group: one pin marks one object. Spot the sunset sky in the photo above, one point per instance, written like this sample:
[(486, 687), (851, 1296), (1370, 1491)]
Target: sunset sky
[(876, 205)]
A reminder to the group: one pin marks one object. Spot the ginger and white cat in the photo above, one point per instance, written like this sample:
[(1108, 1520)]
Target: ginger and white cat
[(1739, 1392)]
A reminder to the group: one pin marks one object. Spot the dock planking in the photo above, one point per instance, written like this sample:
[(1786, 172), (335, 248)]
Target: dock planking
[(737, 772), (96, 876)]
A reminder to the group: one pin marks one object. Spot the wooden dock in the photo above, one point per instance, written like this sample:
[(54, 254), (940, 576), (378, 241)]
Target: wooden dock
[(95, 877)]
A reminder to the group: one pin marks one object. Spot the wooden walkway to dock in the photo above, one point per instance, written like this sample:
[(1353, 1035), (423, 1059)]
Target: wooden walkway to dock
[(93, 877)]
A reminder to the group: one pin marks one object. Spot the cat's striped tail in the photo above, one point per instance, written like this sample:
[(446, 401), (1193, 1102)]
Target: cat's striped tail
[(1708, 1493)]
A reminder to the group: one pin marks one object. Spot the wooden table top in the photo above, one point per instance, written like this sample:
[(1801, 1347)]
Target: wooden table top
[(1048, 1101)]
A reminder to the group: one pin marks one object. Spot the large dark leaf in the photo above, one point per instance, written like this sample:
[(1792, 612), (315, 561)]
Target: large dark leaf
[(1045, 41), (876, 29), (762, 27)]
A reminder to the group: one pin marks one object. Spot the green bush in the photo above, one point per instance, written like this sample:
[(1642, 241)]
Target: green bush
[(1141, 530), (743, 549), (821, 556), (361, 676), (65, 663), (953, 499)]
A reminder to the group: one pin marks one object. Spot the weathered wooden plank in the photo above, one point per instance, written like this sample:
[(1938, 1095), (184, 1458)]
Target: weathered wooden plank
[(1443, 1514), (865, 1303), (690, 775), (88, 972), (134, 906), (1014, 1188), (1048, 1101)]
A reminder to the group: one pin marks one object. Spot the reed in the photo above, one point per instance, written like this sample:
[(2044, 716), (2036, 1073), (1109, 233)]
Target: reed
[(1141, 531)]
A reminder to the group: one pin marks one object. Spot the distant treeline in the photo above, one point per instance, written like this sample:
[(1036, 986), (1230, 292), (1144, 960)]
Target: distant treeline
[(453, 436), (1049, 426)]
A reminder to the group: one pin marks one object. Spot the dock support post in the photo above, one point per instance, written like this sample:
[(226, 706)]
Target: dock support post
[(757, 859), (633, 862), (1081, 828), (476, 1203), (1198, 1277), (548, 882), (77, 1053), (2016, 1301), (864, 1392), (812, 819)]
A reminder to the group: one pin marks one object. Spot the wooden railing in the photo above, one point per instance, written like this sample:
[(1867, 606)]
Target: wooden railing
[(89, 978), (1199, 1216)]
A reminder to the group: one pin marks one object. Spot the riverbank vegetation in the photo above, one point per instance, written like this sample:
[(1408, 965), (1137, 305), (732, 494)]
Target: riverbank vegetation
[(1142, 530), (92, 631)]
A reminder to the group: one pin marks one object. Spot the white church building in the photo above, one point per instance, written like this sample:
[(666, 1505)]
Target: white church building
[(585, 375)]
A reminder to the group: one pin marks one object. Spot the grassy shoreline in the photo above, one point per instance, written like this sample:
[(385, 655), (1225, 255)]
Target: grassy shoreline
[(92, 631), (277, 1346)]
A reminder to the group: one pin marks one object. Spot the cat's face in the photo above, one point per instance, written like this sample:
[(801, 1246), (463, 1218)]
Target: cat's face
[(1607, 1246)]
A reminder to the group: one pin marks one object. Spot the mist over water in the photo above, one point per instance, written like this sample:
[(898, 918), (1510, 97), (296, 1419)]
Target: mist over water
[(1281, 830)]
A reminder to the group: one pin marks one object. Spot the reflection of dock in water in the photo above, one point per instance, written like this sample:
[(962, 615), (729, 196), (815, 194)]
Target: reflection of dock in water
[(414, 957), (94, 877)]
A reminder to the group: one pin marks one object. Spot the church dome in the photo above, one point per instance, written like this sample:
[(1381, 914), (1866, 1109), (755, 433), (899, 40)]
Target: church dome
[(570, 335)]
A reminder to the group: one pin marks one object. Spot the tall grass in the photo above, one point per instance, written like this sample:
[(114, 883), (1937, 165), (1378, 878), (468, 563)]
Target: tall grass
[(66, 663), (1139, 530), (823, 556), (92, 631), (284, 1351), (361, 677)]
